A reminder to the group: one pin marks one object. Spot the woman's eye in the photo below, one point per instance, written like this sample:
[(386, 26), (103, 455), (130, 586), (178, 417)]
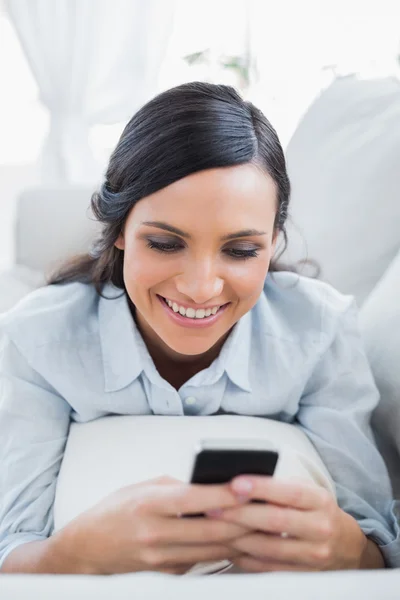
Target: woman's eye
[(172, 246), (242, 253), (164, 246)]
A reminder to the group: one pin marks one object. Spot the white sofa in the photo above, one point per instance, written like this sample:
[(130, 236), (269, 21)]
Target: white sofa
[(340, 160)]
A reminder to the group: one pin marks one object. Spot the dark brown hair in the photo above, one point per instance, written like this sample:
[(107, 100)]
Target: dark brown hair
[(186, 129)]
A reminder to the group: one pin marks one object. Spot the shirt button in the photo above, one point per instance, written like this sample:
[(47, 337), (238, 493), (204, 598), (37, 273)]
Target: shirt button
[(190, 401)]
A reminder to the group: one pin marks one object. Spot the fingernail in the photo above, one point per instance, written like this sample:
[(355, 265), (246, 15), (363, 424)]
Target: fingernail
[(217, 512), (242, 486)]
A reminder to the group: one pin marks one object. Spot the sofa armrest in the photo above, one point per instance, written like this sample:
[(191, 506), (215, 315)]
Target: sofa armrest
[(15, 283), (52, 224)]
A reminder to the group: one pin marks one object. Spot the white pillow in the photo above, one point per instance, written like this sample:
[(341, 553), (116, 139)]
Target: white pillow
[(109, 453), (344, 168), (380, 323)]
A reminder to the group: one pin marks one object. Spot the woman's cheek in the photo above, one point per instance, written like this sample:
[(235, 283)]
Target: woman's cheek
[(143, 270), (247, 278)]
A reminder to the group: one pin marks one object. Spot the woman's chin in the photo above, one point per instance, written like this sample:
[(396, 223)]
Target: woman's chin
[(191, 345), (190, 350)]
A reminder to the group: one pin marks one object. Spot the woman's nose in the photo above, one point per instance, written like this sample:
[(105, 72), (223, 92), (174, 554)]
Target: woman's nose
[(200, 282)]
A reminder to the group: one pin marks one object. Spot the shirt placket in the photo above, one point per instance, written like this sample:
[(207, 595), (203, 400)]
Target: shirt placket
[(202, 399), (163, 399)]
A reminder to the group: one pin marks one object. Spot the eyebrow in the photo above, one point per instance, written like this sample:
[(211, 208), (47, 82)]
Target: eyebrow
[(229, 236)]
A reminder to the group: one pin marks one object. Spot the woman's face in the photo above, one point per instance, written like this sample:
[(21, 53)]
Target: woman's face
[(196, 255)]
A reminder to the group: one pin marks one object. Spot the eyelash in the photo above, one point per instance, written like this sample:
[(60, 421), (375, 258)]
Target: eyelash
[(235, 253)]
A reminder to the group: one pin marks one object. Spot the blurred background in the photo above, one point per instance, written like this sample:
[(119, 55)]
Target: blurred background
[(325, 72)]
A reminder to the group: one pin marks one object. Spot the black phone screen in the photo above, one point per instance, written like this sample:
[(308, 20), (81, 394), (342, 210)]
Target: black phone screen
[(221, 466)]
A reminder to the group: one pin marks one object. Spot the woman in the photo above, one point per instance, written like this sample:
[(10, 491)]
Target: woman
[(176, 312)]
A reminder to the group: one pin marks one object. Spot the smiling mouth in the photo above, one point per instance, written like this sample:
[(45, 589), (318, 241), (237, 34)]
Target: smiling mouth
[(191, 313)]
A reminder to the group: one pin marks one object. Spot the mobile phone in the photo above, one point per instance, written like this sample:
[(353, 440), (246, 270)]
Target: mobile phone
[(219, 460)]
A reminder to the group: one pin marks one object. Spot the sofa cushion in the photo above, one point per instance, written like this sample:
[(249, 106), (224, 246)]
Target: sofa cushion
[(15, 283), (343, 585), (380, 323), (344, 168)]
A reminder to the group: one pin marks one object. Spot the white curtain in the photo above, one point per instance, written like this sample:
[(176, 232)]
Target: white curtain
[(95, 62)]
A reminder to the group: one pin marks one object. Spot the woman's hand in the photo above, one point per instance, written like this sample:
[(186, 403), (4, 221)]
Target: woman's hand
[(139, 528), (301, 528)]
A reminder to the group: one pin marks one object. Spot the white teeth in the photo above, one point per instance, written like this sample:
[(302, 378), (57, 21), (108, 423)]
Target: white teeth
[(191, 313)]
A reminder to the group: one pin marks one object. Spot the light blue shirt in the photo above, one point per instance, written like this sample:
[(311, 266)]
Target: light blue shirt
[(67, 354)]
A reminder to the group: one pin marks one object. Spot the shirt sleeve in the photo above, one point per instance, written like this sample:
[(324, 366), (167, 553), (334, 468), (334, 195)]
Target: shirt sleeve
[(335, 412), (34, 424)]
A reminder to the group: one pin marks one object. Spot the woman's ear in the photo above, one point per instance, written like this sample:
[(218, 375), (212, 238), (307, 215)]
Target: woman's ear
[(120, 242)]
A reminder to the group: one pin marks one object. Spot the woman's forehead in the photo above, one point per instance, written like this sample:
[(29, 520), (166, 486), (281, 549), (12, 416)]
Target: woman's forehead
[(225, 192)]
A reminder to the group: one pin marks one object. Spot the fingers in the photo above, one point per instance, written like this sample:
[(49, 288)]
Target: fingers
[(298, 495), (186, 499), (276, 549), (177, 570), (166, 480), (164, 557), (270, 518), (195, 531), (253, 565)]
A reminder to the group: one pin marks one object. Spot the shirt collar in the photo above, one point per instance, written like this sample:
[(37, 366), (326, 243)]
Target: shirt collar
[(234, 357), (125, 355), (120, 340)]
